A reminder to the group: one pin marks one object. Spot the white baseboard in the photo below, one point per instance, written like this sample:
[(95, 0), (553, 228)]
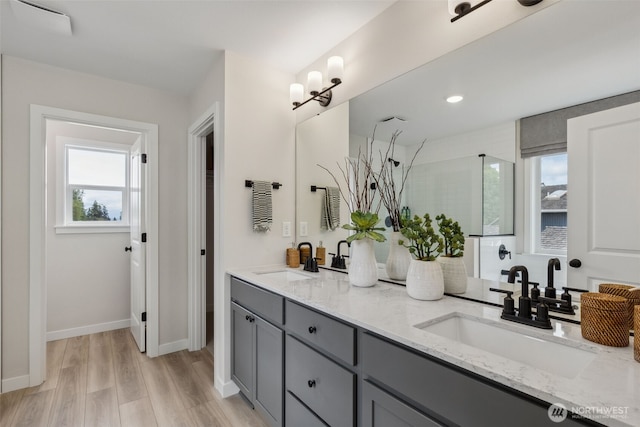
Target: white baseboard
[(225, 389), (172, 347), (15, 383), (89, 329)]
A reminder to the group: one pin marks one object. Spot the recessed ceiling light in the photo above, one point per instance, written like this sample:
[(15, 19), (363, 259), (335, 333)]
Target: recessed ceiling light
[(454, 98)]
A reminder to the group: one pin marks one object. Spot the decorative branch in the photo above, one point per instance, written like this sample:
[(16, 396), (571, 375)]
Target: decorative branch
[(390, 197)]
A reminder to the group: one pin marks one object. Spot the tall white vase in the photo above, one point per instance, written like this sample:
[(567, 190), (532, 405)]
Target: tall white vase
[(454, 273), (399, 258), (425, 280), (363, 269)]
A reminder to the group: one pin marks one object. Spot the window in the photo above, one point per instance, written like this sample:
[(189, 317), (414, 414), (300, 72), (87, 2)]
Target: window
[(548, 184), (93, 186)]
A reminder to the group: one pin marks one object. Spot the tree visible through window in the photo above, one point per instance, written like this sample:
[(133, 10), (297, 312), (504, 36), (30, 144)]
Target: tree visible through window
[(96, 184)]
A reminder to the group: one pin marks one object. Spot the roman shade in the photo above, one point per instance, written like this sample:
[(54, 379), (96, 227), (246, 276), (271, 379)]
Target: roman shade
[(546, 133)]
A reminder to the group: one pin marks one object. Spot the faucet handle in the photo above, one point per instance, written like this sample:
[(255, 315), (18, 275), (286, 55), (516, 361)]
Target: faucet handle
[(508, 307)]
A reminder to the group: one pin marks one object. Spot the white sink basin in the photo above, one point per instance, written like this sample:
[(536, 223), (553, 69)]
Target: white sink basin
[(550, 356), (287, 275)]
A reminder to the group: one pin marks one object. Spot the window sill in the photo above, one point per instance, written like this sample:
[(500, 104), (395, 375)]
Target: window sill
[(91, 229)]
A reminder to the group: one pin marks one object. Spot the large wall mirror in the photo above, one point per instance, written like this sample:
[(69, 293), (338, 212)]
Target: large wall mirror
[(564, 55)]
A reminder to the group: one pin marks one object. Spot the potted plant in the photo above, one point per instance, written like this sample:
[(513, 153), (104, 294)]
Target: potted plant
[(356, 190), (424, 278), (453, 268), (390, 193)]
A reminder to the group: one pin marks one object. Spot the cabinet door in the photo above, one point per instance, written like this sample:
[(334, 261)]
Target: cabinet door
[(242, 349), (269, 371), (299, 415), (380, 409)]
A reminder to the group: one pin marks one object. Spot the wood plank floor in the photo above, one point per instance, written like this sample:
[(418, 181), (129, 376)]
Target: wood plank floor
[(102, 380)]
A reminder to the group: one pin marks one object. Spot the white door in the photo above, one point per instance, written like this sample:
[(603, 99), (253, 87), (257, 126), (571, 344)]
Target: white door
[(138, 256), (604, 198)]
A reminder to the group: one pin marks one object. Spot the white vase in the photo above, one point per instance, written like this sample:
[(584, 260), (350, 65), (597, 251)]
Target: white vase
[(399, 258), (454, 273), (363, 268), (424, 280)]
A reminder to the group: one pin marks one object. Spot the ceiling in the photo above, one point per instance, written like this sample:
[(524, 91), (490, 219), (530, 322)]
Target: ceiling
[(569, 53), (171, 44)]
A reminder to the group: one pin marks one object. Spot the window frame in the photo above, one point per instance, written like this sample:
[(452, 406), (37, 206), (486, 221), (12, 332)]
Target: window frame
[(532, 208), (64, 193)]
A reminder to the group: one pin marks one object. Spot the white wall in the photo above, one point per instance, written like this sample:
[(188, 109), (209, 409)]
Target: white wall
[(25, 82), (397, 41), (321, 140)]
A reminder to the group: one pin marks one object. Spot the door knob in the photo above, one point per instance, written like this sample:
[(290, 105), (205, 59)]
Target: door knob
[(127, 249), (575, 263)]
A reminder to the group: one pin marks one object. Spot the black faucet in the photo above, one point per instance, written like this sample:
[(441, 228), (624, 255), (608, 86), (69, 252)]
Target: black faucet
[(550, 291), (338, 260), (540, 320), (303, 260), (562, 305), (311, 264)]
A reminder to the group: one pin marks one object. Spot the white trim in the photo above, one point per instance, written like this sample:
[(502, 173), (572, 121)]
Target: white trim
[(172, 347), (88, 329), (196, 234), (91, 229), (15, 383), (221, 337), (226, 389), (37, 222)]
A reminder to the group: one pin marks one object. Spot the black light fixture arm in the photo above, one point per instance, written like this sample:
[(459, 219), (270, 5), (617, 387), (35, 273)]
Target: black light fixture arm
[(324, 97)]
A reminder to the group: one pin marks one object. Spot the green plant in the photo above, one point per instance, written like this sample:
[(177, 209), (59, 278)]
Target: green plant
[(452, 235), (364, 225), (423, 241)]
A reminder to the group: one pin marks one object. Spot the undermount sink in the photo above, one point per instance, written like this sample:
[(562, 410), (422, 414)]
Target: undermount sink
[(289, 276), (550, 356)]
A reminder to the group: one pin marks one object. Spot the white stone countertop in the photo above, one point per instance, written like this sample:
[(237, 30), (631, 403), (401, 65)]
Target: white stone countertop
[(606, 390)]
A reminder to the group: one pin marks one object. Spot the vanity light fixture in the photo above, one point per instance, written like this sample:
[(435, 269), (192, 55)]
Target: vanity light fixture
[(460, 8), (335, 68), (453, 99)]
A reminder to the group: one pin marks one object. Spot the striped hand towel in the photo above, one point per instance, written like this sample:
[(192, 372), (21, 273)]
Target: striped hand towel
[(330, 215), (262, 218)]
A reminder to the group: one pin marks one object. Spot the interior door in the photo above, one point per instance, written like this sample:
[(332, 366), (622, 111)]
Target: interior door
[(604, 198), (138, 256)]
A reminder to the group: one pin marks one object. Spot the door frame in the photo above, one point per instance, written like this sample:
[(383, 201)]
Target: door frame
[(196, 224), (37, 227)]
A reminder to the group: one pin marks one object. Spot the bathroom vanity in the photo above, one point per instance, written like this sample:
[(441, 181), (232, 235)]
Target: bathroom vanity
[(308, 349)]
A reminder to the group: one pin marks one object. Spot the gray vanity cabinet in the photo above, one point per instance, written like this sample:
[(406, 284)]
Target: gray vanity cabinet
[(320, 368), (257, 355), (380, 408), (448, 394)]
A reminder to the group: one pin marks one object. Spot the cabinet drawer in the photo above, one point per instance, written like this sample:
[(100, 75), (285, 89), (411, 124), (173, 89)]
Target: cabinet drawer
[(382, 409), (451, 393), (325, 387), (299, 415), (269, 305), (331, 335)]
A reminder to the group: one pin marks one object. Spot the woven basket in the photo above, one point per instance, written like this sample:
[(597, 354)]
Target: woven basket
[(636, 341), (633, 298), (604, 319)]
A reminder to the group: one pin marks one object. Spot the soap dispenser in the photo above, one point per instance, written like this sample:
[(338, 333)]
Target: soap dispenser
[(293, 256), (320, 254)]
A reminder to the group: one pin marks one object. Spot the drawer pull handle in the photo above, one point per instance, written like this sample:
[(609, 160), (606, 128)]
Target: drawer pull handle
[(249, 318), (312, 329), (311, 383)]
